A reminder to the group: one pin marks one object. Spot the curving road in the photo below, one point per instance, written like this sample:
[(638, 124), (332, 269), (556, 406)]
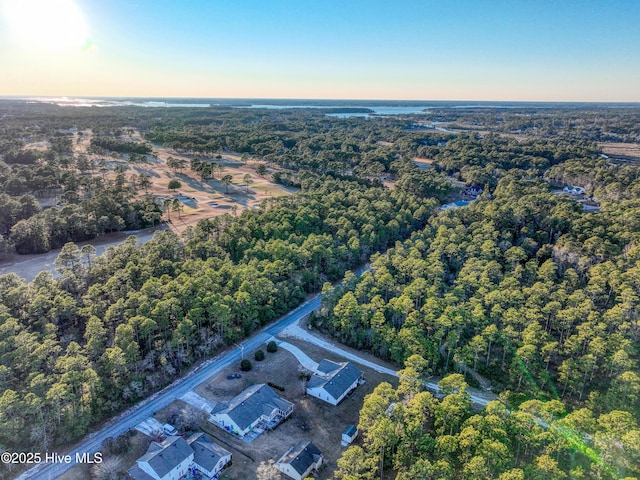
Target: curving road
[(478, 397), (145, 409)]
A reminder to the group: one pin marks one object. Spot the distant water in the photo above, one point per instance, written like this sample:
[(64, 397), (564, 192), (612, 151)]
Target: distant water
[(379, 107), (103, 102)]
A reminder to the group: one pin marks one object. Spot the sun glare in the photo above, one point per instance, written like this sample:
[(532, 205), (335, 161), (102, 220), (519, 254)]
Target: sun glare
[(46, 24)]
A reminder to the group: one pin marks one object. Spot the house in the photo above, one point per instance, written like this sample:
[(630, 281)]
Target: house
[(333, 381), (175, 457), (300, 460), (169, 460), (473, 191), (256, 409), (209, 458), (349, 435), (570, 190)]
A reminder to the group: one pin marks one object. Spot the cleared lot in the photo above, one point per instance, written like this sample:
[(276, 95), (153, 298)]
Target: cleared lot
[(312, 419)]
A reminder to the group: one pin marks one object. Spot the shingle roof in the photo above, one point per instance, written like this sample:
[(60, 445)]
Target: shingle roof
[(164, 457), (137, 473), (326, 366), (255, 401), (337, 381), (206, 453), (301, 456)]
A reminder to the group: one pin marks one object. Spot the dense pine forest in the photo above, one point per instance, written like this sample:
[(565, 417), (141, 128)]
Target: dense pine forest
[(522, 291)]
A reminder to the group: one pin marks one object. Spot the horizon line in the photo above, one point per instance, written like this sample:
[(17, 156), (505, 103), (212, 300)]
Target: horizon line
[(298, 99)]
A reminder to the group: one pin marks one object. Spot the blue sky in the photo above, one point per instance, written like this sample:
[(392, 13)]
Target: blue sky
[(458, 50)]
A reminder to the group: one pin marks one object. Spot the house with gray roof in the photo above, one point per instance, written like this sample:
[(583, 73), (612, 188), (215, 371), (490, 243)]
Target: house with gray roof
[(168, 460), (209, 458), (332, 381), (256, 409), (176, 457), (300, 460)]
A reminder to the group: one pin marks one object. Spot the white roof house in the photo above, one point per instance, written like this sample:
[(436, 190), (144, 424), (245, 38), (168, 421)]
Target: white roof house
[(256, 409), (176, 457), (571, 190), (334, 381), (300, 460)]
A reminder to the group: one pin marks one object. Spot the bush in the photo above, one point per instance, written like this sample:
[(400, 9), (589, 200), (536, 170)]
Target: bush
[(245, 365), (272, 347), (259, 355)]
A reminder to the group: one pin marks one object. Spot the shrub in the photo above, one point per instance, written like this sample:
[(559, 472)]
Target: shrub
[(272, 347), (245, 365), (259, 355)]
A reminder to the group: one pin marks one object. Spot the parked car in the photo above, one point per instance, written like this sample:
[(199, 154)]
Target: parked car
[(169, 429)]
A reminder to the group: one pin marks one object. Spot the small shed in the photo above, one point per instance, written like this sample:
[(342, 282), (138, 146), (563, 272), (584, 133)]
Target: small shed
[(349, 435)]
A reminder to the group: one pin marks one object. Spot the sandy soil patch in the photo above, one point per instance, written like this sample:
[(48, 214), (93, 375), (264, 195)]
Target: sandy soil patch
[(626, 152), (312, 418), (211, 197)]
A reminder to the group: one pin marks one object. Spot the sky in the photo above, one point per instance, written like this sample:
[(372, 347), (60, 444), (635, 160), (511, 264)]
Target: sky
[(509, 50)]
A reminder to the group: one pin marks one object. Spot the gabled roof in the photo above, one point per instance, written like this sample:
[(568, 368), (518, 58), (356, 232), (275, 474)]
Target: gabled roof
[(207, 454), (164, 457), (255, 401), (327, 366), (301, 456), (338, 380)]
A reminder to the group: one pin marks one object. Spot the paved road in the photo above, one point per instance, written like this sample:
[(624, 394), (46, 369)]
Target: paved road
[(130, 418), (136, 415)]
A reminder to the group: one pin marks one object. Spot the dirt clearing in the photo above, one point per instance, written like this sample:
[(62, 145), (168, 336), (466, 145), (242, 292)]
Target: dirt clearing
[(312, 419)]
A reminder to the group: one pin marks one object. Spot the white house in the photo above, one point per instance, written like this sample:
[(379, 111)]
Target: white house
[(256, 409), (176, 457), (349, 435), (573, 190), (209, 458), (334, 381), (300, 460), (169, 460)]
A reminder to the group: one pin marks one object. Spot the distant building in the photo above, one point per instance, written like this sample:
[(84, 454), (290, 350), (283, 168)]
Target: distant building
[(176, 457), (349, 435), (256, 409), (570, 190), (300, 460), (334, 381), (473, 191)]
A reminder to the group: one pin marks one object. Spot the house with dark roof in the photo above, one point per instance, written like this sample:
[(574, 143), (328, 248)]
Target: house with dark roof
[(332, 381), (300, 460), (473, 191), (256, 409), (176, 457)]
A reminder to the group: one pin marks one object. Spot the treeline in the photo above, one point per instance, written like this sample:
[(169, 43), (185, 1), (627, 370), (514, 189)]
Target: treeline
[(482, 161), (523, 290), (99, 144), (605, 180), (113, 329), (411, 435)]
